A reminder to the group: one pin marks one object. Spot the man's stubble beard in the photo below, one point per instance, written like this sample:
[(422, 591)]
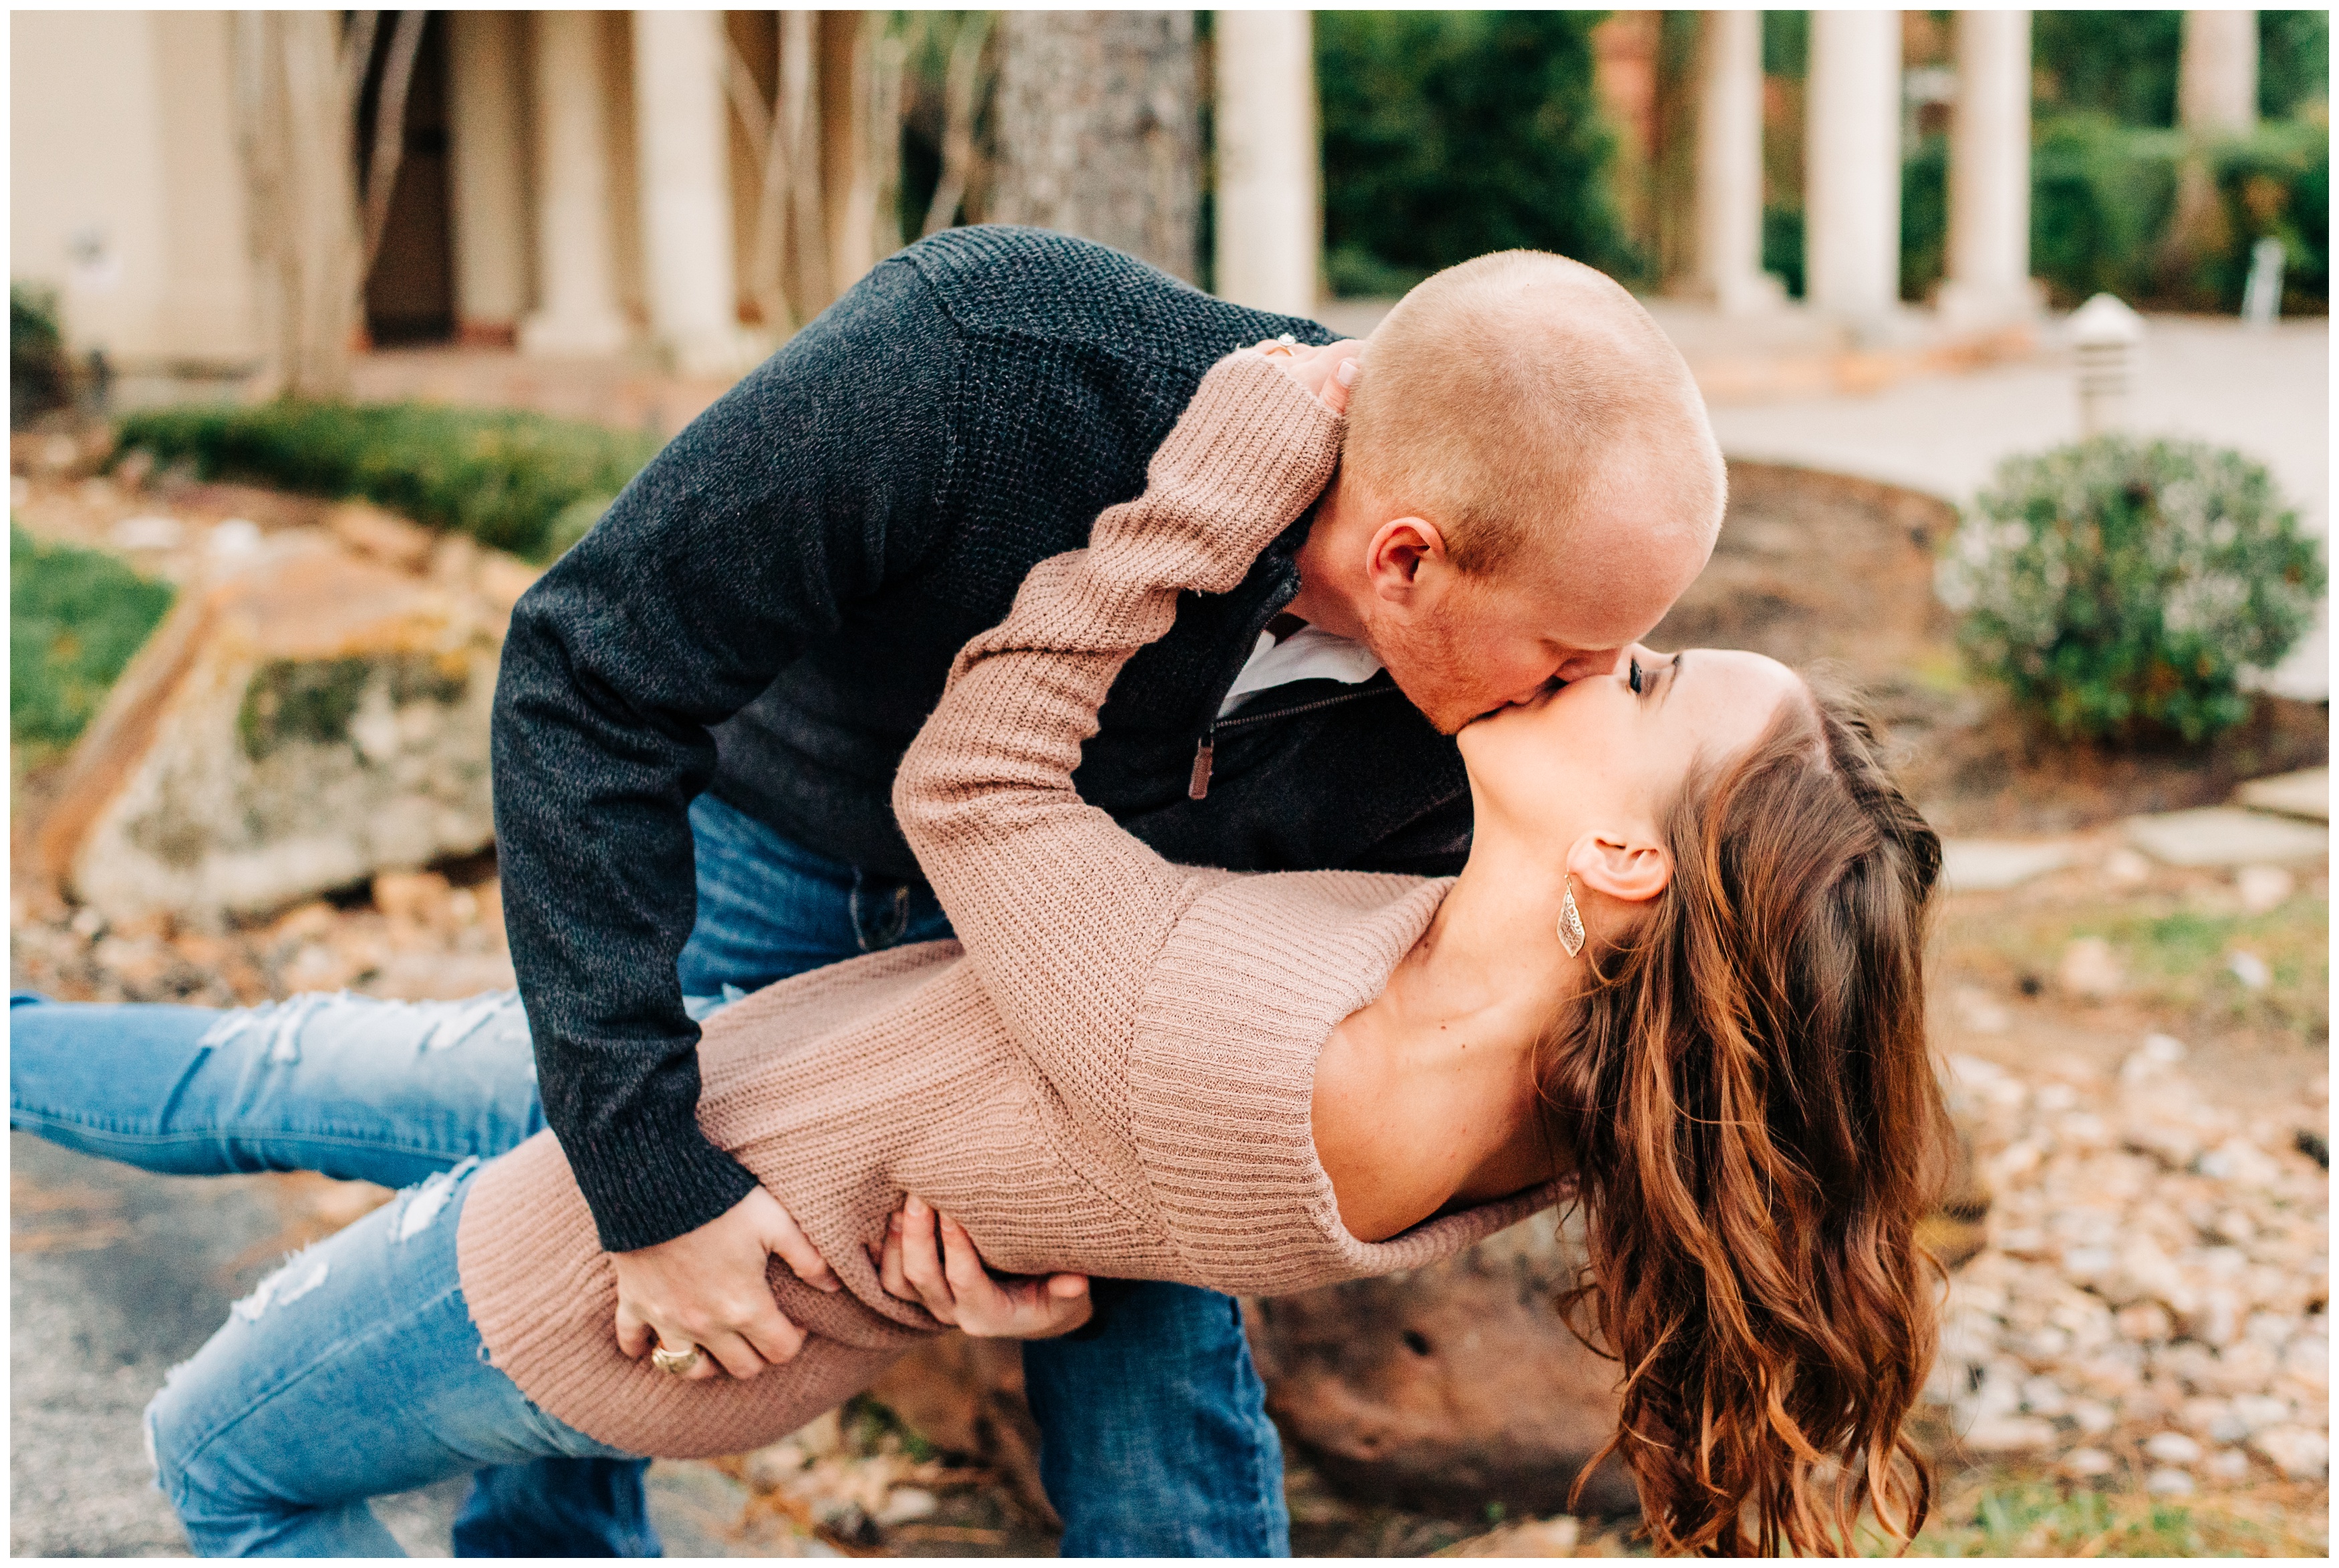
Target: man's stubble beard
[(1429, 667)]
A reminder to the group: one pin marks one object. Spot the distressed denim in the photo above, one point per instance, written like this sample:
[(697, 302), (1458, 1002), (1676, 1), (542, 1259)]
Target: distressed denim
[(361, 1089), (1155, 1439), (352, 1371)]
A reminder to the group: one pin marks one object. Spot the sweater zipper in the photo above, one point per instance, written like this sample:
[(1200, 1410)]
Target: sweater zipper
[(1197, 787)]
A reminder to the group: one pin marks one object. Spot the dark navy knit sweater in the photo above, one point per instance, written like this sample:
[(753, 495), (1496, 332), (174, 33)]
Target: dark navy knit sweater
[(770, 609)]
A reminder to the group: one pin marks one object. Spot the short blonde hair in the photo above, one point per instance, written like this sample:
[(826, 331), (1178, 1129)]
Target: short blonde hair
[(1502, 395)]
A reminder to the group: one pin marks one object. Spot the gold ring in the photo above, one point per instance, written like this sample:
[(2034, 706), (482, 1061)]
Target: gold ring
[(681, 1362)]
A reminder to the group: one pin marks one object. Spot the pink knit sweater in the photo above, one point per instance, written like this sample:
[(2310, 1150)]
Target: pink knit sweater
[(1111, 1076)]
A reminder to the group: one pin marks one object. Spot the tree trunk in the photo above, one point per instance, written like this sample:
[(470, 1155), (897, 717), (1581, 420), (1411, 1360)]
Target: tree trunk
[(389, 131), (1098, 132), (296, 94)]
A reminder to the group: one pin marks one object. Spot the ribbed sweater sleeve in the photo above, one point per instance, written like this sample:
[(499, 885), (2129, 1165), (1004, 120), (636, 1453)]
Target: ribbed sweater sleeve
[(1059, 909)]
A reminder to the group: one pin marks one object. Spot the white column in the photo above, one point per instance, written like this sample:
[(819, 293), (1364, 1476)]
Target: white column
[(1269, 217), (489, 157), (1989, 170), (684, 150), (1852, 210), (576, 247), (1730, 164), (2217, 74)]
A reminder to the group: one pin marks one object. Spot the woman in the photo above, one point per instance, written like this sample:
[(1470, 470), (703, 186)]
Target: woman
[(1680, 971)]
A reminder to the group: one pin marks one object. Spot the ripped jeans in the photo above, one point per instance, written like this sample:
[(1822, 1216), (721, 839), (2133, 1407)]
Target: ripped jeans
[(354, 1370)]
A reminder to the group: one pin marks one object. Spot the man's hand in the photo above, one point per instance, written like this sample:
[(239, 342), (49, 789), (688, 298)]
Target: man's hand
[(1327, 372), (706, 1287), (953, 1284)]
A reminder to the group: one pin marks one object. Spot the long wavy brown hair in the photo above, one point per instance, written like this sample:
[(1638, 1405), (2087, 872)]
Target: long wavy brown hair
[(1756, 1130)]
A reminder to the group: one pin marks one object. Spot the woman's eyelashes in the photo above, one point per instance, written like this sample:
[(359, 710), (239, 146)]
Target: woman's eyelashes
[(1632, 678)]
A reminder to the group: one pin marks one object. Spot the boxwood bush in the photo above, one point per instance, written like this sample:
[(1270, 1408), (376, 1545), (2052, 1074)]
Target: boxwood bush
[(2119, 588), (502, 476)]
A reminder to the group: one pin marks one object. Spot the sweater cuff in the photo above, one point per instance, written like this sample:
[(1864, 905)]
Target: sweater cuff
[(653, 1179)]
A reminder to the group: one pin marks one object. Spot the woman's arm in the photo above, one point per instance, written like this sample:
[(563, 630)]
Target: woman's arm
[(1059, 909)]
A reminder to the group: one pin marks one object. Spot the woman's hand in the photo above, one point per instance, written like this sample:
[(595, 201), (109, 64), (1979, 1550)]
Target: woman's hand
[(707, 1288), (951, 1282), (1327, 372)]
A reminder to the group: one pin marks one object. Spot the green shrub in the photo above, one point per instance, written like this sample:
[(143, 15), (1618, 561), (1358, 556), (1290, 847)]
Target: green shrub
[(2119, 65), (2118, 588), (2273, 184), (502, 476), (1451, 133), (39, 376), (2104, 195), (1924, 217), (2101, 194), (74, 618), (2293, 62), (1783, 246)]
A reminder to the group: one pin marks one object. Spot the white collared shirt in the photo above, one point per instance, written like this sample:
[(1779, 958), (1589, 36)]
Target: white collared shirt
[(1309, 653)]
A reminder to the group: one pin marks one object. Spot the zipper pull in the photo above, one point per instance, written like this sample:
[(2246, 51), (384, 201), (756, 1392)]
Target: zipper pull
[(1198, 785)]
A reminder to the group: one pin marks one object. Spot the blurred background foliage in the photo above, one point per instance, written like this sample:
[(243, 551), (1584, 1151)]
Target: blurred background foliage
[(1449, 133), (518, 481)]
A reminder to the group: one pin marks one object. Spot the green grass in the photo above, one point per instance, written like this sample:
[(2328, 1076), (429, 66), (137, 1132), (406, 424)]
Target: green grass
[(75, 617), (516, 482), (2033, 1518), (2177, 959)]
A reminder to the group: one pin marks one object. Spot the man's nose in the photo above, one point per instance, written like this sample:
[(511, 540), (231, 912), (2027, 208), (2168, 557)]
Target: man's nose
[(1588, 661)]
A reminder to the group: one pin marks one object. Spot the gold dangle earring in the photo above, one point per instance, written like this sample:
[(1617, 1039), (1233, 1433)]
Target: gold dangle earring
[(1571, 922)]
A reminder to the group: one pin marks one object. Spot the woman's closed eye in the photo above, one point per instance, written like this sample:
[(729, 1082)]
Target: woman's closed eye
[(1632, 678)]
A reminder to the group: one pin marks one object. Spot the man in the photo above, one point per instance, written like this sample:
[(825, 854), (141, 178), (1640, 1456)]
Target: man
[(703, 704)]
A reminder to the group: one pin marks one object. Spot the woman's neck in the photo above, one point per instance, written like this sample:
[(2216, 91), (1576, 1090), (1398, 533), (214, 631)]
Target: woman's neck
[(1490, 960), (1426, 1095)]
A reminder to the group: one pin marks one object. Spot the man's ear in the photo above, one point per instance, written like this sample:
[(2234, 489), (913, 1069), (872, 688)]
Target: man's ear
[(1626, 863), (1400, 547)]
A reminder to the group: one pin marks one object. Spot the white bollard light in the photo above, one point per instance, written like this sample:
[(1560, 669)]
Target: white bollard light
[(2107, 340), (2262, 295)]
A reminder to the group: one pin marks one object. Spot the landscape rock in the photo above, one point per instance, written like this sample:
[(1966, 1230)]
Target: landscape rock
[(297, 724), (2227, 1464), (2305, 794), (386, 536), (2091, 970), (2171, 1448), (2299, 1452), (1449, 1388), (2263, 887), (1534, 1538), (2010, 1434), (2226, 836), (2166, 1285), (1993, 865), (966, 1396)]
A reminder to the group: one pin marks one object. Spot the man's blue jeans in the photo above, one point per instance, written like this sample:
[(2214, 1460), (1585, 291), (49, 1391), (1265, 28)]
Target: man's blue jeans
[(1154, 1435)]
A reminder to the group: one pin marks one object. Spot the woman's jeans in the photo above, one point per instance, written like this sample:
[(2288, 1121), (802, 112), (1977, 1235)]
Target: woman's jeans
[(354, 1369), (1155, 1439)]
